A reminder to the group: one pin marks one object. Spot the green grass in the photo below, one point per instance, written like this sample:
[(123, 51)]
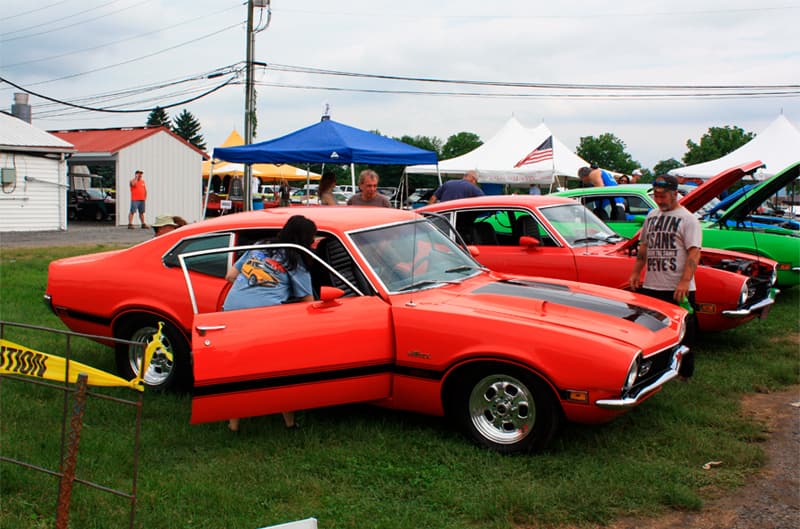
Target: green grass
[(358, 466)]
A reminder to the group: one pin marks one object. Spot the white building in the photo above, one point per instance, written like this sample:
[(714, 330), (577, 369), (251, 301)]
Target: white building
[(33, 177), (172, 167)]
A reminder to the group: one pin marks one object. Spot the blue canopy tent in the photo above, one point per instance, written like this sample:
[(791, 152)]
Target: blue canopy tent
[(329, 142)]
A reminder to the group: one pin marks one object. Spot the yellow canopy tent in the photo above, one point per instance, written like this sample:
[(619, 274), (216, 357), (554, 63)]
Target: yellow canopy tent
[(263, 171)]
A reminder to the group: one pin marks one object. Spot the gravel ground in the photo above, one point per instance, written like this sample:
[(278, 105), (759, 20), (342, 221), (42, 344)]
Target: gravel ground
[(78, 233), (771, 500)]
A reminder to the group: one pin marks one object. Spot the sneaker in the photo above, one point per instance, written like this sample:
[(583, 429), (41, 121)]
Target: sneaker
[(145, 226), (130, 226)]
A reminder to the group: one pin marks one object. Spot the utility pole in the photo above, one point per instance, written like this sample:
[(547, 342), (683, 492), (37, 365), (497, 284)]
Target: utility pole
[(250, 94)]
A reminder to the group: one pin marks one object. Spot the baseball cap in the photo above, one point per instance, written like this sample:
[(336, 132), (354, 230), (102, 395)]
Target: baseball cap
[(668, 182), (637, 172)]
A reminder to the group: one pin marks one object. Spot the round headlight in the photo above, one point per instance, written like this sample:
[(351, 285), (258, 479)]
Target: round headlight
[(682, 331), (633, 372), (744, 294)]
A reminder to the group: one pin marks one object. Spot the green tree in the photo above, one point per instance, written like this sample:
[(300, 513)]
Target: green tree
[(715, 143), (664, 166), (608, 152), (460, 143), (429, 143), (157, 117), (187, 127)]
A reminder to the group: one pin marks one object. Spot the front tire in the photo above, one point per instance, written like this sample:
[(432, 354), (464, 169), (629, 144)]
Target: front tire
[(508, 410), (163, 373)]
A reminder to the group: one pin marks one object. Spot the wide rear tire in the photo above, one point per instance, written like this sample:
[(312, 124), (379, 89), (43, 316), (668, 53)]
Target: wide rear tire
[(163, 373)]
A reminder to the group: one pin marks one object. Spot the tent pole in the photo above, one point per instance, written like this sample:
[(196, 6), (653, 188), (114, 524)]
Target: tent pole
[(353, 176), (208, 190), (308, 182)]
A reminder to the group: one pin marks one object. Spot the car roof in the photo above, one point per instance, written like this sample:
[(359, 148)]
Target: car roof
[(620, 188), (327, 218), (499, 200)]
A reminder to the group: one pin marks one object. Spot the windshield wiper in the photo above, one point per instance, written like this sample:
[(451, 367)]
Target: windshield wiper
[(591, 239), (425, 282), (465, 268)]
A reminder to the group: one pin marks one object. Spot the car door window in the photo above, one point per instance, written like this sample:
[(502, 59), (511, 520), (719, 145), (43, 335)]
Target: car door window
[(500, 227), (214, 265), (637, 206)]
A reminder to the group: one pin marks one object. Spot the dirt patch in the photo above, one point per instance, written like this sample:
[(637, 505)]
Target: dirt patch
[(771, 499)]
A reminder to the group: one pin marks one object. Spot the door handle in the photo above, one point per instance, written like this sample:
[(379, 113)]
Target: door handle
[(203, 329)]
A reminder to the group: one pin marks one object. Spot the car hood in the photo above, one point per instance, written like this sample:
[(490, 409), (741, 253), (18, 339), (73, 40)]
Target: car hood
[(564, 304), (700, 196), (745, 205)]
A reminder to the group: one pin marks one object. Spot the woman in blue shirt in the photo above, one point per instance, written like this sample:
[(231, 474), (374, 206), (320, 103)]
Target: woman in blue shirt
[(273, 276)]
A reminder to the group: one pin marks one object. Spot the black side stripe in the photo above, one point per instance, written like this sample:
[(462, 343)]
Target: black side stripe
[(84, 316), (305, 378)]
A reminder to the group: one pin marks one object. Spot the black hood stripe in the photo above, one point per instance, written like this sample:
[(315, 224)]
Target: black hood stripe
[(563, 295)]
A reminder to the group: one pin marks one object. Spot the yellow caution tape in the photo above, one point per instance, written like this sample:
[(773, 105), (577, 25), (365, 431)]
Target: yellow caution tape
[(154, 345), (17, 359)]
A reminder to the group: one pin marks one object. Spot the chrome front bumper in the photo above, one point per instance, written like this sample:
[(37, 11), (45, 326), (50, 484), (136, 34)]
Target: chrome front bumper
[(672, 372), (755, 308)]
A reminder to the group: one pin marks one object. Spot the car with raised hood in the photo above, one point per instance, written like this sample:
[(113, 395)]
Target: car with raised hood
[(403, 318), (735, 228), (558, 237)]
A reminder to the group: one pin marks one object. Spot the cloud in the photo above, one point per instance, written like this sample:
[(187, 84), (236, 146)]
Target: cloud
[(621, 42)]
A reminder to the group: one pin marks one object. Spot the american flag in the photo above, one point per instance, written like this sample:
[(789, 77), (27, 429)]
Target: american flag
[(539, 154)]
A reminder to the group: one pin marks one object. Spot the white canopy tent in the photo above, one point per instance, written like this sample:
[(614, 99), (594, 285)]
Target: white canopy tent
[(778, 146), (495, 160)]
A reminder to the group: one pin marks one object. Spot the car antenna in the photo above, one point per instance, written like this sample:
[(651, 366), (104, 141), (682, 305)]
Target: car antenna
[(410, 302)]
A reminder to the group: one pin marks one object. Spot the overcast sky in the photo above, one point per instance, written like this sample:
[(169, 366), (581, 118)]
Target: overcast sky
[(135, 54)]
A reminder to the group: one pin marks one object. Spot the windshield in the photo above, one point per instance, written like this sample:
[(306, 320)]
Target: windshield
[(414, 255), (579, 226)]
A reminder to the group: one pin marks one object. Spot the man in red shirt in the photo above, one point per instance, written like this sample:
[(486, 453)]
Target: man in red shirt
[(138, 196)]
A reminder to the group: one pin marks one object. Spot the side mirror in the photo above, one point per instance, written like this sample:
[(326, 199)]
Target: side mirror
[(330, 294), (529, 242)]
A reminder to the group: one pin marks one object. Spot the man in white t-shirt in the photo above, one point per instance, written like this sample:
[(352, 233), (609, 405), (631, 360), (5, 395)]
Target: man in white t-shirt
[(669, 246)]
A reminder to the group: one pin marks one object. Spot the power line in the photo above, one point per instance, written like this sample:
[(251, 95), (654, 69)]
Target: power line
[(114, 43), (40, 24), (507, 84), (122, 111), (42, 8), (135, 59), (552, 95)]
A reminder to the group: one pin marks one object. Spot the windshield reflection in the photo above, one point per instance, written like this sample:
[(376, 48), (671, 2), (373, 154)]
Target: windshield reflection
[(578, 225), (414, 255)]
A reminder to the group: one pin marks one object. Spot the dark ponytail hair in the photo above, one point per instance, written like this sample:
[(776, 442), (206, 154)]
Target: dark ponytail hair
[(297, 230)]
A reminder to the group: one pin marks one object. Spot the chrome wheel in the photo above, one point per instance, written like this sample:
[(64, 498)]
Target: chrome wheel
[(160, 369), (502, 409)]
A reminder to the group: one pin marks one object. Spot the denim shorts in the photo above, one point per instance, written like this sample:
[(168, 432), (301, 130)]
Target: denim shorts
[(137, 206)]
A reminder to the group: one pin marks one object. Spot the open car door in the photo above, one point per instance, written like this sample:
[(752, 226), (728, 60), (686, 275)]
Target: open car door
[(292, 356)]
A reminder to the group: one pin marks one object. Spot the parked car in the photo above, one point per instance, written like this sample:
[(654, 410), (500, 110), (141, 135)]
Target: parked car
[(404, 318), (560, 238), (420, 197), (90, 204), (731, 229), (304, 196)]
